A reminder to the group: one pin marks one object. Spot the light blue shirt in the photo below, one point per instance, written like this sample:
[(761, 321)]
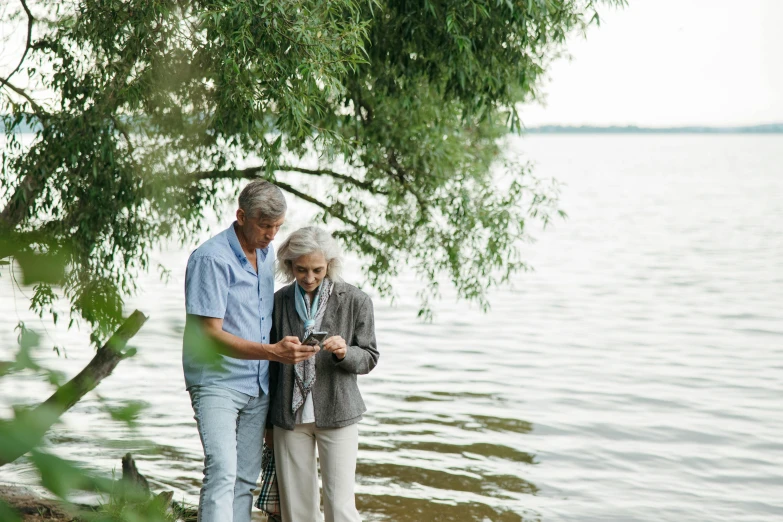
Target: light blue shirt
[(220, 282)]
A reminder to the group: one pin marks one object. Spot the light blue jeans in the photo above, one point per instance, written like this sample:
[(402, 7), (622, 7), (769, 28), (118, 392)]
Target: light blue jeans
[(231, 425)]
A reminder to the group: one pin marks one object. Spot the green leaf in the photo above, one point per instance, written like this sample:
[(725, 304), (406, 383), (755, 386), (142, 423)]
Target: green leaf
[(41, 268), (127, 413), (62, 477), (8, 514)]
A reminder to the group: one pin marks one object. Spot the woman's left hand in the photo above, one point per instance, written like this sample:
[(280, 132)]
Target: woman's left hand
[(336, 345)]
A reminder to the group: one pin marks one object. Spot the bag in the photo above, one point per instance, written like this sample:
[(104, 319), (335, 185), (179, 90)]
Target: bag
[(269, 497)]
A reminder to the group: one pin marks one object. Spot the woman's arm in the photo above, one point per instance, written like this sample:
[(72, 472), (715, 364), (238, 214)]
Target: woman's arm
[(361, 356)]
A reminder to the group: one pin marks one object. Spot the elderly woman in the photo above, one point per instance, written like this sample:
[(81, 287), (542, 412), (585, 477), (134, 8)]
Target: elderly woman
[(317, 402)]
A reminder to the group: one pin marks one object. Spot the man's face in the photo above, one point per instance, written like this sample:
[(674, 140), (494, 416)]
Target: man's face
[(258, 233)]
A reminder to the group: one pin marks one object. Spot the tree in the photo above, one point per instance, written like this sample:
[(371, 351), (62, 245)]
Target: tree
[(143, 108), (145, 111)]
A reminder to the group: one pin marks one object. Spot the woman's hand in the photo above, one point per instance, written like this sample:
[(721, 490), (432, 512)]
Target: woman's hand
[(336, 345)]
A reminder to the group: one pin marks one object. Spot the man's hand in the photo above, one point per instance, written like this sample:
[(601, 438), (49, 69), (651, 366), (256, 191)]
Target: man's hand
[(337, 346), (290, 350)]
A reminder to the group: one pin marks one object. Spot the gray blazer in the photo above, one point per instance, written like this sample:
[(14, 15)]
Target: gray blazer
[(336, 398)]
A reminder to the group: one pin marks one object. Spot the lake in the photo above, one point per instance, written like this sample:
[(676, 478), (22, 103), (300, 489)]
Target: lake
[(635, 375)]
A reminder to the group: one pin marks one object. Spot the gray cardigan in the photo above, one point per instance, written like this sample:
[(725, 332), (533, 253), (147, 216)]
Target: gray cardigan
[(336, 398)]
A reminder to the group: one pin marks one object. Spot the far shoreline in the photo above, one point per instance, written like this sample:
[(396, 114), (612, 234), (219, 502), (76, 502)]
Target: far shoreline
[(771, 128), (767, 128)]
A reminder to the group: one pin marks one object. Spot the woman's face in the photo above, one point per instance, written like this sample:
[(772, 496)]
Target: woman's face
[(310, 270)]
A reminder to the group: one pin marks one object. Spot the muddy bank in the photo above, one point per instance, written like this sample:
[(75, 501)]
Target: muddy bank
[(31, 506)]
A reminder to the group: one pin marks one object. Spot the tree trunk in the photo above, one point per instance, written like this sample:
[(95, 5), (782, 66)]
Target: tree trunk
[(15, 210), (33, 424)]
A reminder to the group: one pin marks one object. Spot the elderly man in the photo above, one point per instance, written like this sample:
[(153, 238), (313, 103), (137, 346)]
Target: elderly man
[(229, 291)]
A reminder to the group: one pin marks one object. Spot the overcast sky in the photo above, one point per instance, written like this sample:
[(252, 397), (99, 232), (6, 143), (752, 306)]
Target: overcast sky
[(655, 62), (672, 62)]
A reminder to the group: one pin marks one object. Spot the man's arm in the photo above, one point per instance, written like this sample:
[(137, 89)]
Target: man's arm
[(288, 350)]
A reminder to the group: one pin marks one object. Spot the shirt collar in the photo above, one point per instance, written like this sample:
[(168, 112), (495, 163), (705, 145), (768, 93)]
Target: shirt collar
[(236, 247)]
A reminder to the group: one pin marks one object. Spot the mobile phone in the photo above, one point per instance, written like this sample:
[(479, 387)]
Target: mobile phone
[(315, 338)]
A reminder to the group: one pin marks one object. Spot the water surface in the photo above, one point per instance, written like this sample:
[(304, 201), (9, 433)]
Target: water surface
[(635, 375)]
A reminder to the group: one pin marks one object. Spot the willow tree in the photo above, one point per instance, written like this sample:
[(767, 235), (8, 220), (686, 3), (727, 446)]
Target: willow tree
[(143, 109)]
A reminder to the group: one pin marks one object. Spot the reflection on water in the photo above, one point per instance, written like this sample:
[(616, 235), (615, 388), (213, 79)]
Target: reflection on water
[(635, 375), (402, 509)]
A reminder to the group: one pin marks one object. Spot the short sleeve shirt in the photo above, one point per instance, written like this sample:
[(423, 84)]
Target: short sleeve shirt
[(220, 282)]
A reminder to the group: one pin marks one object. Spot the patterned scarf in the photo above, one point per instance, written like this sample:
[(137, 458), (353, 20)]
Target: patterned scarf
[(311, 315)]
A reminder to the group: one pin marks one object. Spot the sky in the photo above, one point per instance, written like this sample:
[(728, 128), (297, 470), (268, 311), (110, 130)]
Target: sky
[(671, 62), (653, 63)]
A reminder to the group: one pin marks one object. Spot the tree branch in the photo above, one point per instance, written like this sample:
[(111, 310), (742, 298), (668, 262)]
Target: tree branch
[(38, 420), (330, 209), (401, 174), (255, 172), (249, 173), (27, 45), (16, 208), (122, 131), (37, 108), (336, 175)]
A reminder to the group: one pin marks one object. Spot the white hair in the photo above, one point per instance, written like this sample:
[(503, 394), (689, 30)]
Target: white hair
[(262, 200), (308, 240)]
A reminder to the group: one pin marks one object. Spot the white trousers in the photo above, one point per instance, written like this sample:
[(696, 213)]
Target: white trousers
[(297, 477)]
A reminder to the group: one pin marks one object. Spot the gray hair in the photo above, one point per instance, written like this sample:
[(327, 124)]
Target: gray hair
[(308, 240), (262, 200)]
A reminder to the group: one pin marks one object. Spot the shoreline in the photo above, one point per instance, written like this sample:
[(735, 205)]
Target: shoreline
[(32, 506)]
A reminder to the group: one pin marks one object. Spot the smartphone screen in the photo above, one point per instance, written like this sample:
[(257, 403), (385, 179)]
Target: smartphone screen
[(315, 338)]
